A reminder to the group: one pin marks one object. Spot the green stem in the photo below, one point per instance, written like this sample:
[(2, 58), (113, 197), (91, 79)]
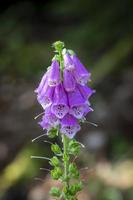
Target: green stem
[(65, 159)]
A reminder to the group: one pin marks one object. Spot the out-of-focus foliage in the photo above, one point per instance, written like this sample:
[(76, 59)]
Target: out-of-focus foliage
[(101, 33)]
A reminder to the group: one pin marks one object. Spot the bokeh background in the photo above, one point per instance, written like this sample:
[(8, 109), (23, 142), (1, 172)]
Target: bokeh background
[(101, 33)]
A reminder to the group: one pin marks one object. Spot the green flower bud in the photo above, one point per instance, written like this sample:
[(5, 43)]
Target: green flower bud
[(54, 161), (56, 173), (58, 45), (56, 149), (76, 188), (74, 147), (66, 158), (53, 133), (73, 171), (55, 192)]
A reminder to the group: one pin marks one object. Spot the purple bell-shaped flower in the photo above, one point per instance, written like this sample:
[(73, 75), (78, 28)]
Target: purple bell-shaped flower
[(69, 126), (54, 74), (60, 103), (81, 75)]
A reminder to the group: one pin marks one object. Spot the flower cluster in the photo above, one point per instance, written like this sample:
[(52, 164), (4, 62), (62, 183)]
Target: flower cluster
[(64, 95)]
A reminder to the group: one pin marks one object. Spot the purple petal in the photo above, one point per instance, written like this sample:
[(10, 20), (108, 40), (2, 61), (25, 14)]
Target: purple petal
[(69, 126), (50, 117), (68, 63), (76, 103), (42, 83), (87, 110), (68, 81), (85, 91), (75, 98), (45, 97), (78, 111), (60, 104), (81, 75), (54, 74), (44, 124)]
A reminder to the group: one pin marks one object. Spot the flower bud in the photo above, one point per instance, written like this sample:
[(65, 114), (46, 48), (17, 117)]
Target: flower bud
[(56, 173), (55, 192), (74, 147), (73, 171), (54, 161), (75, 188), (56, 149)]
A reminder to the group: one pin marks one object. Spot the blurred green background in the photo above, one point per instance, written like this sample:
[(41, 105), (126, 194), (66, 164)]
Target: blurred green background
[(101, 33)]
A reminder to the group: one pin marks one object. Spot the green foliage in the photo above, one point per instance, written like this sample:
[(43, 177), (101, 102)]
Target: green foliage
[(112, 194), (65, 170)]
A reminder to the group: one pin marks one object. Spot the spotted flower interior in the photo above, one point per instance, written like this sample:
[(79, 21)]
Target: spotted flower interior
[(64, 95)]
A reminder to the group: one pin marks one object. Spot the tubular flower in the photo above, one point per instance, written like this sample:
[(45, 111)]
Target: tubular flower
[(44, 124), (68, 63), (81, 75), (85, 91), (50, 117), (76, 103), (42, 83), (87, 110), (54, 74), (45, 96), (60, 104), (64, 95), (69, 126), (68, 81)]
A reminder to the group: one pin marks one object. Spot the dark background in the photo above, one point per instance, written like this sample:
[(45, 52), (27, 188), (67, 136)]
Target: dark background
[(101, 33)]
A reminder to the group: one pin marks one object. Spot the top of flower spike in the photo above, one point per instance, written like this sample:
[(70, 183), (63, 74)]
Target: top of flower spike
[(58, 45), (63, 92)]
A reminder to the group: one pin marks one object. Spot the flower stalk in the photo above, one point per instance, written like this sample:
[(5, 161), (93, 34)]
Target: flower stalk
[(66, 161)]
